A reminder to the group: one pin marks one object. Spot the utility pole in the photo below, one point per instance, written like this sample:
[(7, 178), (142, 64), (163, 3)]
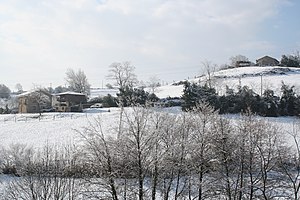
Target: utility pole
[(261, 85)]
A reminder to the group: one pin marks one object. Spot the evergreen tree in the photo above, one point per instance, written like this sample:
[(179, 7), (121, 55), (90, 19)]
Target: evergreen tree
[(131, 96), (269, 104), (194, 93), (228, 101), (288, 101), (290, 61), (109, 101), (248, 99)]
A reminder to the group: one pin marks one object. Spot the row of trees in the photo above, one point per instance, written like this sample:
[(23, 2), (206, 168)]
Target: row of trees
[(270, 105), (194, 155), (292, 60)]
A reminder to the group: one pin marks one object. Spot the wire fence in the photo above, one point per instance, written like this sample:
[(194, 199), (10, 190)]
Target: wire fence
[(40, 117)]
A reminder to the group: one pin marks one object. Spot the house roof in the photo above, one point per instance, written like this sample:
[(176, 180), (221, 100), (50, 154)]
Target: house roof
[(24, 94), (70, 93), (266, 57)]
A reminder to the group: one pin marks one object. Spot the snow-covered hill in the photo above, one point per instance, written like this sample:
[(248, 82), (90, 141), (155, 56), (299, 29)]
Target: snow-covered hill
[(256, 78)]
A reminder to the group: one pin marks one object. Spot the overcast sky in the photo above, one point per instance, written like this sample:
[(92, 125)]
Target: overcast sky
[(169, 39)]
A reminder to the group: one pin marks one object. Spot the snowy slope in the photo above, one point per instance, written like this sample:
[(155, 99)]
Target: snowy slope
[(253, 77), (101, 92), (169, 91)]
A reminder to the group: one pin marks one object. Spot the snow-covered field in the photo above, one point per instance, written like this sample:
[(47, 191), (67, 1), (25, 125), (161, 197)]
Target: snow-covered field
[(52, 128), (256, 78), (61, 128)]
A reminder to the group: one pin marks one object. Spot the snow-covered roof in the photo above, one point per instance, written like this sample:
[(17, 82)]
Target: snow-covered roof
[(24, 94), (268, 57), (70, 93)]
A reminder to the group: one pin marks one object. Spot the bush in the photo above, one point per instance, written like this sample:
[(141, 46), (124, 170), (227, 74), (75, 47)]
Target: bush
[(106, 101)]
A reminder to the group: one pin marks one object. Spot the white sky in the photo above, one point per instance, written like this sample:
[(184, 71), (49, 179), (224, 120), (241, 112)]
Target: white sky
[(40, 39)]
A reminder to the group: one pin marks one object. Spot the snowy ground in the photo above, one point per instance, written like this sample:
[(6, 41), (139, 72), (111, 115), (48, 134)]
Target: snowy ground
[(52, 128), (60, 128)]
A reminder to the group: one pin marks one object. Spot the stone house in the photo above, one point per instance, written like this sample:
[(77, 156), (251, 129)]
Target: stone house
[(35, 101), (267, 61)]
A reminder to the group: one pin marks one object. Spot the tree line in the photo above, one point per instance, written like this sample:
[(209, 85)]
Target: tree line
[(157, 155), (267, 104)]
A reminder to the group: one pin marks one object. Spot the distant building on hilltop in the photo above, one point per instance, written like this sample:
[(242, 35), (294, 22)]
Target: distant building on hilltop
[(267, 61)]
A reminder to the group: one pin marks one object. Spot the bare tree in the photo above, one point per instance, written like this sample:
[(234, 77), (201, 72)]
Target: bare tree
[(224, 147), (19, 88), (78, 81), (153, 83), (289, 166), (137, 129), (256, 157), (100, 153), (182, 150), (159, 122), (46, 174), (209, 69), (202, 117), (167, 169), (122, 74)]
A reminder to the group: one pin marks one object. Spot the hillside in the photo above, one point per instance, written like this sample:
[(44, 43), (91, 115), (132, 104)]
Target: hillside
[(253, 77)]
